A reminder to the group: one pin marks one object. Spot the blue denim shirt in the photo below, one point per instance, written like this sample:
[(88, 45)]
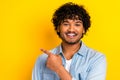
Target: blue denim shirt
[(87, 64)]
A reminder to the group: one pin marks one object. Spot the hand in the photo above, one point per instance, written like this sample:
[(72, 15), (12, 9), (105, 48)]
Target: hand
[(53, 61)]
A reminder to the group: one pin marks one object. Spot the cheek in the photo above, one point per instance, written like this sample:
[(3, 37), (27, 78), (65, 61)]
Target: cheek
[(62, 30), (81, 30)]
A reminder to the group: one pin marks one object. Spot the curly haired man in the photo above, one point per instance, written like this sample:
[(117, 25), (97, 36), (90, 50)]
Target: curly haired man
[(72, 59)]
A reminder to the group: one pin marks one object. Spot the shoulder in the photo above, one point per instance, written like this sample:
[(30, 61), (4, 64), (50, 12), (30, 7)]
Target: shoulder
[(94, 53), (95, 58), (41, 60), (91, 55)]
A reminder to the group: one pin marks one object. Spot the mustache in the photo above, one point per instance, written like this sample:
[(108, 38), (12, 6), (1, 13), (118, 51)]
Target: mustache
[(68, 32)]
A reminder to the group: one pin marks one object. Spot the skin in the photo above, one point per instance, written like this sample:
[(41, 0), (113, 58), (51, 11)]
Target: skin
[(71, 32)]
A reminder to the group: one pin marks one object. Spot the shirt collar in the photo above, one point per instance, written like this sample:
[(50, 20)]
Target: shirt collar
[(82, 51)]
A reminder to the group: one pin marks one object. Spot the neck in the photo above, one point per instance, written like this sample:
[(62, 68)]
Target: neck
[(70, 49)]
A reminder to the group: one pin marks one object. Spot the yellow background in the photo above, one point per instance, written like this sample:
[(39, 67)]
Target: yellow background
[(25, 27)]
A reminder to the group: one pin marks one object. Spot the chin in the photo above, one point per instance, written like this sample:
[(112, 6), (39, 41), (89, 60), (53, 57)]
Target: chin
[(68, 42)]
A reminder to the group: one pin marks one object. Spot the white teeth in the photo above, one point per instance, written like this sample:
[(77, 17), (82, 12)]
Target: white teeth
[(71, 34)]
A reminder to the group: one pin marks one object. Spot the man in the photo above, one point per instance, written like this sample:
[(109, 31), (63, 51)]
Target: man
[(72, 60)]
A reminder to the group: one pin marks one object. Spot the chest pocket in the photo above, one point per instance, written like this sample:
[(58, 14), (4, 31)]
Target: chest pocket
[(48, 76)]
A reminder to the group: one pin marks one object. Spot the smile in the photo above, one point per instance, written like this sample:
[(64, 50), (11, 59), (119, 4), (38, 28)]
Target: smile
[(71, 35)]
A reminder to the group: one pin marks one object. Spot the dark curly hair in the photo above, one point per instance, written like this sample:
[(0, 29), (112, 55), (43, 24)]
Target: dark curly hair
[(71, 11)]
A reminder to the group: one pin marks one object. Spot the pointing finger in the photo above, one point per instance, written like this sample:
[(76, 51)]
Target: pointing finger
[(46, 51)]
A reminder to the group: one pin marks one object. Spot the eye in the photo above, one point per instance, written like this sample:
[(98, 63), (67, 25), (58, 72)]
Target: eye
[(77, 24), (65, 24)]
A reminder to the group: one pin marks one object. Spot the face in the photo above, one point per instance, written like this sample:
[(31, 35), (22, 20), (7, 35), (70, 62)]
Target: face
[(71, 31)]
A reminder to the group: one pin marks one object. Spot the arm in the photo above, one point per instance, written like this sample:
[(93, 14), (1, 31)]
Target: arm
[(51, 60), (37, 72), (63, 74)]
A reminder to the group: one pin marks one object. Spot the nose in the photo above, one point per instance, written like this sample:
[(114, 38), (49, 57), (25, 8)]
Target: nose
[(71, 28)]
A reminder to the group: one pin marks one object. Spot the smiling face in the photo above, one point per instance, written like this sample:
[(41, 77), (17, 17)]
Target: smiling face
[(71, 31)]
